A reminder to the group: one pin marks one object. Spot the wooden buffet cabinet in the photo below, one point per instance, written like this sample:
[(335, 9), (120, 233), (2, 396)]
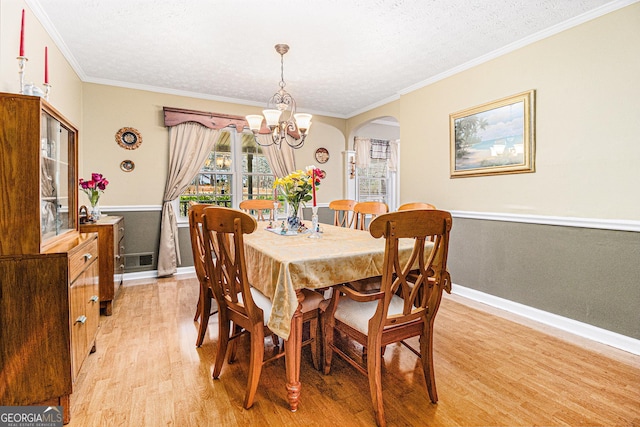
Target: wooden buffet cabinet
[(110, 231), (49, 302)]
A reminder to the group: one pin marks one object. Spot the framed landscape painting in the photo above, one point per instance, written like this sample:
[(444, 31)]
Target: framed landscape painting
[(494, 138)]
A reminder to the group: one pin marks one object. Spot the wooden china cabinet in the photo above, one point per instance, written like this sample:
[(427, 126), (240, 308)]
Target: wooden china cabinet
[(49, 305)]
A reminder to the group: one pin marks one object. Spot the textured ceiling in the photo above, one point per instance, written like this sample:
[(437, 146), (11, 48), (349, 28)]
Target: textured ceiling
[(345, 56)]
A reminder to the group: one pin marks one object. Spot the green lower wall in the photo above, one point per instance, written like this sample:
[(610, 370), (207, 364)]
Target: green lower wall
[(589, 275), (141, 237)]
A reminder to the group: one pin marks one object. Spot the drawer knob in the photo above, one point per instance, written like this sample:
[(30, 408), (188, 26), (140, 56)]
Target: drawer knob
[(122, 229), (87, 257), (94, 298), (82, 319)]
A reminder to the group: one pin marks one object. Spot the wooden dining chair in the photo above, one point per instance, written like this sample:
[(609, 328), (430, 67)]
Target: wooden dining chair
[(367, 211), (416, 205), (406, 304), (238, 301), (343, 214), (204, 306), (257, 207)]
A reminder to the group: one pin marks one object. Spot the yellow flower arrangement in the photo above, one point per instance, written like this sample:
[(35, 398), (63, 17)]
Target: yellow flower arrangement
[(298, 186)]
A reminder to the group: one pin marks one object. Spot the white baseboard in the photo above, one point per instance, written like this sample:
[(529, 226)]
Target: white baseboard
[(153, 274), (584, 330)]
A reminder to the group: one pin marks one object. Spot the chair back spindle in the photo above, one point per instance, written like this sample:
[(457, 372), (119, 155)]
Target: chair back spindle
[(367, 211), (203, 308), (258, 207), (343, 215)]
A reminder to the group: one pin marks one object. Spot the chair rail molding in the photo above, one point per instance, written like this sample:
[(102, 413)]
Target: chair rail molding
[(603, 224)]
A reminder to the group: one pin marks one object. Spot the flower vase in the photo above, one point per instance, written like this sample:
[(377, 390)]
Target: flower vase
[(95, 211), (294, 219)]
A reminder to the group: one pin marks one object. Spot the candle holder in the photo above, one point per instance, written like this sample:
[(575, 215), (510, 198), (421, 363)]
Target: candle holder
[(315, 228), (22, 62), (47, 90)]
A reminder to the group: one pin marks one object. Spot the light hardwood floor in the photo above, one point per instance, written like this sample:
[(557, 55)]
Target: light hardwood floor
[(490, 371)]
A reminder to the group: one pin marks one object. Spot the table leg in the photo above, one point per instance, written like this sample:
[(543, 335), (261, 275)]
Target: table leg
[(293, 350)]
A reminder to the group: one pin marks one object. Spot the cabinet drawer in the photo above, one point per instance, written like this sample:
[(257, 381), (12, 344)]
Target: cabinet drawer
[(120, 231), (81, 257)]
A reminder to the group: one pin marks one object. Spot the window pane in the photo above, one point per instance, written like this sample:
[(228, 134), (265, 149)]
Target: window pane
[(372, 182), (222, 153), (257, 179), (257, 186)]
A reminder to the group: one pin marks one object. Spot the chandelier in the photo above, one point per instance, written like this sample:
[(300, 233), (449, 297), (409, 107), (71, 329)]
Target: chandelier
[(285, 124)]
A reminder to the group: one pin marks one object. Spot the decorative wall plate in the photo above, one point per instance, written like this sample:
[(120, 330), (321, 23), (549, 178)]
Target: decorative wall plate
[(322, 155), (127, 165), (128, 138)]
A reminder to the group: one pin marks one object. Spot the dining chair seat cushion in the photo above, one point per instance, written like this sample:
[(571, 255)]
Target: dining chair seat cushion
[(312, 300), (261, 301), (357, 314)]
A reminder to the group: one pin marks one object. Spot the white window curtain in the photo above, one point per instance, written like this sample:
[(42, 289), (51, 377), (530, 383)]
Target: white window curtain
[(189, 146), (367, 149), (280, 159), (394, 155), (362, 147)]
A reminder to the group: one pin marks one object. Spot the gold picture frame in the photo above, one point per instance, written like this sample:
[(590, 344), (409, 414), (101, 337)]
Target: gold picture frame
[(494, 138)]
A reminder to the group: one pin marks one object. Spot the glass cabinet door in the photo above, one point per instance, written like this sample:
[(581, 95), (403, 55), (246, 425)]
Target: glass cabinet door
[(55, 171)]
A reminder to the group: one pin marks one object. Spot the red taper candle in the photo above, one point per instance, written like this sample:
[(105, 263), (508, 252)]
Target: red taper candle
[(22, 35), (313, 186), (46, 64)]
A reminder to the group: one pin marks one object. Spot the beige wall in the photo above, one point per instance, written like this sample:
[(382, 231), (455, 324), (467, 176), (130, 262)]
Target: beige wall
[(587, 142), (108, 109), (66, 86)]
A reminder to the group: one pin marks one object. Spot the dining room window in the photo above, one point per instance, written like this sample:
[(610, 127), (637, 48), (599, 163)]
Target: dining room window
[(235, 170)]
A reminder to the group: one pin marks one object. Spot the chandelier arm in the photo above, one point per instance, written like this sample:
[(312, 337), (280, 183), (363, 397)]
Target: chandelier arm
[(294, 143), (273, 141)]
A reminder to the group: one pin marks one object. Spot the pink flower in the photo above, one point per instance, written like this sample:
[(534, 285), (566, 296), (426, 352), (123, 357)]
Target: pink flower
[(94, 187)]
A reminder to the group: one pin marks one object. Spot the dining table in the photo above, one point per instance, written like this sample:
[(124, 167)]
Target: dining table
[(281, 265)]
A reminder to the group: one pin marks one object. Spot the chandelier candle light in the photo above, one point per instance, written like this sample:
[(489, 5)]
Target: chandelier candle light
[(282, 129)]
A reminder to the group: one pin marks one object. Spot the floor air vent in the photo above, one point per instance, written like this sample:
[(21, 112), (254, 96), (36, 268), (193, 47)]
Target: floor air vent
[(139, 262)]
